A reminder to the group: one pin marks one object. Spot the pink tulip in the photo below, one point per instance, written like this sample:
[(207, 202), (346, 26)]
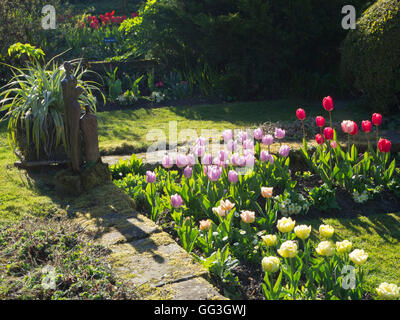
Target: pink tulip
[(150, 177), (176, 201), (279, 133), (268, 140), (207, 159), (233, 176), (227, 135), (284, 151), (214, 173), (181, 160), (167, 162), (258, 133), (188, 172), (199, 150)]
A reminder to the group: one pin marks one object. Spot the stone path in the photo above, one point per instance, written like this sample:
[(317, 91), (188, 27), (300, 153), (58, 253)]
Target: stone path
[(149, 258)]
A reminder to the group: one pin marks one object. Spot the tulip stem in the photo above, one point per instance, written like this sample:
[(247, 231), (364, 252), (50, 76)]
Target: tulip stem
[(348, 143), (330, 118), (304, 130)]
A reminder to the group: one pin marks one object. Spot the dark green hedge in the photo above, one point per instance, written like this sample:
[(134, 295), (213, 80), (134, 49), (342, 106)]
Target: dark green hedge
[(253, 47), (371, 55)]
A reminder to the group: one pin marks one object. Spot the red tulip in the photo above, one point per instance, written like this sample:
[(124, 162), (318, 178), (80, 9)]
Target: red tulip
[(134, 14), (366, 126), (384, 145), (355, 129), (90, 18), (320, 121), (301, 114), (319, 138), (328, 133), (376, 119), (328, 103)]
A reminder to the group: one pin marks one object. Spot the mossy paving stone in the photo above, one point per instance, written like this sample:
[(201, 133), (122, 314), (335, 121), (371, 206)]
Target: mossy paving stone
[(156, 260), (193, 289)]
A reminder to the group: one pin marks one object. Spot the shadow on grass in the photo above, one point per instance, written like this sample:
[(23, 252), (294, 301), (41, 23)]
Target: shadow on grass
[(106, 208)]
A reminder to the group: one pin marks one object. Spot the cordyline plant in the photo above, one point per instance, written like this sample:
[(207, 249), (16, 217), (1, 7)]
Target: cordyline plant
[(33, 100)]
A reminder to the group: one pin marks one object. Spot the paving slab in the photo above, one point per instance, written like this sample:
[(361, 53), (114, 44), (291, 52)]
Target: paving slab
[(156, 260)]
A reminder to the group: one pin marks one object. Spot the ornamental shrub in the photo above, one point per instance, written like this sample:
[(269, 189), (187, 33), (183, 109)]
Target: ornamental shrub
[(371, 55)]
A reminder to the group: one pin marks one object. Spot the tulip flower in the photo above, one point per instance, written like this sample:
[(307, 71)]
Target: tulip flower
[(284, 151), (355, 129), (266, 157), (188, 172), (319, 138), (268, 140), (214, 173), (248, 216), (333, 144), (301, 114), (181, 160), (258, 133), (207, 159), (231, 145), (320, 121), (248, 144), (201, 141), (176, 201), (279, 133), (205, 225), (267, 192), (167, 162), (384, 145), (377, 120), (227, 135), (328, 133), (366, 126), (150, 177), (242, 135), (199, 150), (327, 103), (233, 176)]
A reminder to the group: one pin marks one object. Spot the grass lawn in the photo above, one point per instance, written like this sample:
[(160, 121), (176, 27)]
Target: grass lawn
[(20, 196), (126, 130)]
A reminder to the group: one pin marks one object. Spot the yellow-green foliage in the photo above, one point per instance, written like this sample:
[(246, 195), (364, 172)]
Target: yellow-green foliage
[(371, 54)]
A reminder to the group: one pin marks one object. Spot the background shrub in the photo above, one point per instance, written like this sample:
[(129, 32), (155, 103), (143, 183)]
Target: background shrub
[(267, 42), (371, 55)]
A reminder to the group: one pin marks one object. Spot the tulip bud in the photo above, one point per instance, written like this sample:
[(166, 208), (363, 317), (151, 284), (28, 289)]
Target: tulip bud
[(327, 103), (320, 121), (301, 114), (366, 126), (376, 119)]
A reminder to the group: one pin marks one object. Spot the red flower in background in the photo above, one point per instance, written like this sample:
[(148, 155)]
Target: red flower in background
[(384, 145), (327, 103), (319, 138), (301, 114), (134, 14), (328, 133), (376, 119), (320, 121), (366, 126)]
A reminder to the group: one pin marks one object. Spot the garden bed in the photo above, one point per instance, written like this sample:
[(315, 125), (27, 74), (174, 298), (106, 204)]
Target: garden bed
[(225, 208)]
